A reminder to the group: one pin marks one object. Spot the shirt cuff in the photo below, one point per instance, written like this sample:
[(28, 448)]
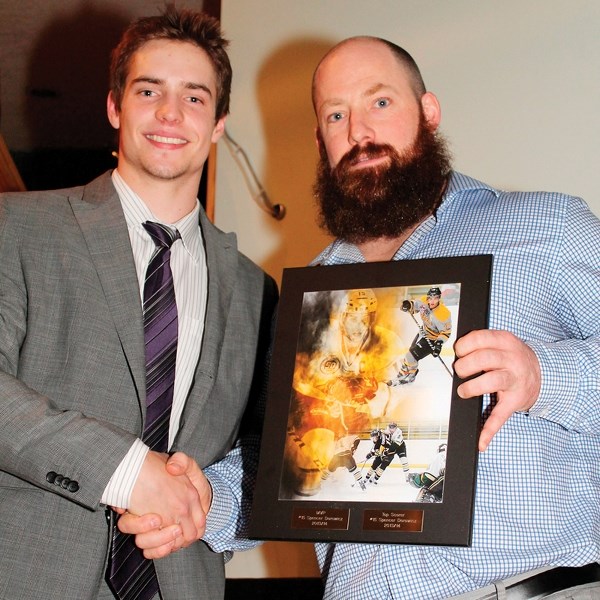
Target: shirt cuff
[(118, 491), (222, 507), (558, 387)]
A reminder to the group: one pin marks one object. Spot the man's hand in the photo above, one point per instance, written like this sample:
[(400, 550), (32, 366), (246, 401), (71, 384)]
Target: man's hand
[(181, 464), (508, 367), (155, 536)]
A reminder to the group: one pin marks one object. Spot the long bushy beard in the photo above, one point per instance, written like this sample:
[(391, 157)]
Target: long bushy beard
[(359, 205)]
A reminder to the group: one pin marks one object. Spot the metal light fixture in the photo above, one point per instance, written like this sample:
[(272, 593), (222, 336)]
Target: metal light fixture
[(257, 191)]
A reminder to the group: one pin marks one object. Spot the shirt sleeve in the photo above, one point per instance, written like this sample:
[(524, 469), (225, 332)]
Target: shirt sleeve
[(118, 490), (570, 367), (232, 480)]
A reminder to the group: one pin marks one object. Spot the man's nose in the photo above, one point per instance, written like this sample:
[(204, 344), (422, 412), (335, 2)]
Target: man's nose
[(169, 110), (359, 130)]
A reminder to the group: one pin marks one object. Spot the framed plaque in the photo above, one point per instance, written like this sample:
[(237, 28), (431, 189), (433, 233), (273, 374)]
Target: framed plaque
[(365, 438)]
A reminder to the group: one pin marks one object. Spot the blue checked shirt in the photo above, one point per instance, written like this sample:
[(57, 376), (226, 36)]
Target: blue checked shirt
[(538, 484)]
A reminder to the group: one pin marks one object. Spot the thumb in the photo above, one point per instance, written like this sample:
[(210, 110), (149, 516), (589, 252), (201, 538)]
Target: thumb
[(182, 464), (179, 464)]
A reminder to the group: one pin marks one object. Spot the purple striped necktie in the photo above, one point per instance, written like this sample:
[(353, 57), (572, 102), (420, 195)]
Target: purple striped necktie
[(129, 575)]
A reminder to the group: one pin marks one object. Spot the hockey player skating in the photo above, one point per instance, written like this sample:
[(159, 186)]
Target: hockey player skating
[(386, 444), (431, 482), (344, 458), (398, 445), (380, 444), (437, 327)]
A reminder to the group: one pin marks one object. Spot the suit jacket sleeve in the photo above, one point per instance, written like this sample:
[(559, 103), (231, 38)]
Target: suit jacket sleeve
[(58, 429)]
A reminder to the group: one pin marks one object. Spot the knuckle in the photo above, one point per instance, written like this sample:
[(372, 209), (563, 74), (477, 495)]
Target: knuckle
[(459, 368)]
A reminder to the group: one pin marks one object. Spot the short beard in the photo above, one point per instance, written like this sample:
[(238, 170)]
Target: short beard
[(383, 201)]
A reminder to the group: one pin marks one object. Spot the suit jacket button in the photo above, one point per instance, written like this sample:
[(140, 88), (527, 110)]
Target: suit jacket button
[(65, 482), (73, 486), (58, 479), (51, 476)]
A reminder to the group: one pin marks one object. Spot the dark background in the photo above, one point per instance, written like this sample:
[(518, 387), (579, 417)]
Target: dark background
[(59, 136)]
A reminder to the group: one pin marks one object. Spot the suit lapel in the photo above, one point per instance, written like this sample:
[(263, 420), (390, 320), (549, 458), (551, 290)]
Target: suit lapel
[(102, 223), (221, 260)]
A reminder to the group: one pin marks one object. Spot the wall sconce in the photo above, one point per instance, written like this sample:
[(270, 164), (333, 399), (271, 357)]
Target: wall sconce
[(257, 191)]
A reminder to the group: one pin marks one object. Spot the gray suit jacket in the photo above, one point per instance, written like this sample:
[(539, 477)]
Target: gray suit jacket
[(72, 386)]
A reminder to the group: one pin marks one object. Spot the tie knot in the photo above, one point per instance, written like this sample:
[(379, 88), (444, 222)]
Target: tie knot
[(162, 235)]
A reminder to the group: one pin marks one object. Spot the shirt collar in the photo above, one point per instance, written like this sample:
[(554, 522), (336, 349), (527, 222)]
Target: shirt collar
[(137, 212), (459, 183)]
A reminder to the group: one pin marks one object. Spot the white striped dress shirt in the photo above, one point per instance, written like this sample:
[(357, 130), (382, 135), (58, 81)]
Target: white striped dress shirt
[(188, 264)]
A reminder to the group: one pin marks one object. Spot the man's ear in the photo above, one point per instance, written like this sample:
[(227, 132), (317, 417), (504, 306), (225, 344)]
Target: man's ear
[(218, 130), (431, 110), (112, 111)]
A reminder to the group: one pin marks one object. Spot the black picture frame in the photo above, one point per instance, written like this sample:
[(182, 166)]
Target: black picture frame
[(319, 399)]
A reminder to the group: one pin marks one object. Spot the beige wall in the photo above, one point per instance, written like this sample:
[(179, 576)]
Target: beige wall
[(517, 80), (519, 87)]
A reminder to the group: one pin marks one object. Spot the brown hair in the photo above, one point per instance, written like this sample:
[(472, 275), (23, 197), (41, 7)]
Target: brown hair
[(179, 25)]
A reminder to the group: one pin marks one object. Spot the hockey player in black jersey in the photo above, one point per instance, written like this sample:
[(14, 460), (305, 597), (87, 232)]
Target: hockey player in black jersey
[(386, 444)]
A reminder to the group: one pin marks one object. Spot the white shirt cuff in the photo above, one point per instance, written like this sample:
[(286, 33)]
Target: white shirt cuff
[(118, 491)]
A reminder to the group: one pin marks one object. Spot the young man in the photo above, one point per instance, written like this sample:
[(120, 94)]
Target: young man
[(85, 345), (386, 192)]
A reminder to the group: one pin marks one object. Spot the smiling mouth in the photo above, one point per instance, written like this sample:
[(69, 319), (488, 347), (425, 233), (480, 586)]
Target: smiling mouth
[(166, 140)]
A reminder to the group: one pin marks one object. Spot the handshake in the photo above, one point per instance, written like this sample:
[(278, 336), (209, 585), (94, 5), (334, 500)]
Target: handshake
[(168, 506)]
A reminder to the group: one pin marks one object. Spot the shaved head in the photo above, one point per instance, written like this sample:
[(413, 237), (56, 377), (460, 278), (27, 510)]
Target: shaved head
[(404, 59)]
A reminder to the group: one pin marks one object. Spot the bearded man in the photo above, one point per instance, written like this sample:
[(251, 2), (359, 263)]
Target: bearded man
[(386, 191)]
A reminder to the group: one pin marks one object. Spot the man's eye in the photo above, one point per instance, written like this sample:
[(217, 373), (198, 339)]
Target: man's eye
[(335, 117), (382, 102), (200, 100)]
